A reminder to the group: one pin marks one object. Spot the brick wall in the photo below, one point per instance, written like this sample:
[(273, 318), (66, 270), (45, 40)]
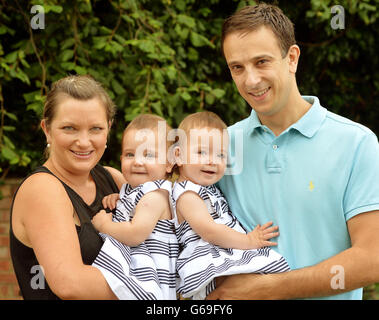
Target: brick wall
[(9, 289)]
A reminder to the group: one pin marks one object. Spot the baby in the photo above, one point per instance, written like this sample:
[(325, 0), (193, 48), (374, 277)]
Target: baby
[(140, 249), (213, 242)]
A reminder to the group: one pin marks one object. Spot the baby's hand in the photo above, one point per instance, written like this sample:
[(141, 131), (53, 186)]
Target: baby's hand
[(110, 200), (100, 220), (261, 234)]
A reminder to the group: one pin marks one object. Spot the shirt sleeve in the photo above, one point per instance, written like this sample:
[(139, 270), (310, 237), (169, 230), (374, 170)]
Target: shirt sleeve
[(362, 191)]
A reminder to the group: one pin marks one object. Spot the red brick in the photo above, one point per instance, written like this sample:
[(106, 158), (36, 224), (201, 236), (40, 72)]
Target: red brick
[(16, 293), (9, 292), (4, 289), (8, 278), (6, 203), (4, 253), (6, 190), (4, 228), (4, 215), (5, 265), (4, 241)]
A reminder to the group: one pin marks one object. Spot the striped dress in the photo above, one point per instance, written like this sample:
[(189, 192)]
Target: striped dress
[(146, 271), (200, 262)]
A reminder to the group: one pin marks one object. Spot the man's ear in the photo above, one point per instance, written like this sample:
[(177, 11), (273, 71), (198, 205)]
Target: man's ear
[(293, 57)]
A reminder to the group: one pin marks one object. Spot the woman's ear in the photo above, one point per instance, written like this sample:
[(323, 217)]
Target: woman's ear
[(45, 130)]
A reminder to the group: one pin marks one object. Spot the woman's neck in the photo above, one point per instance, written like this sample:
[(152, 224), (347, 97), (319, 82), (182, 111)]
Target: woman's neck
[(73, 180)]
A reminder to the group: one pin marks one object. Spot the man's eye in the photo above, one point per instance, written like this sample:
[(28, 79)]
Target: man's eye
[(202, 152), (236, 67), (262, 61)]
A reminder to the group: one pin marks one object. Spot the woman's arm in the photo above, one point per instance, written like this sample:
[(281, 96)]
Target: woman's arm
[(46, 214), (148, 211), (117, 176), (193, 209)]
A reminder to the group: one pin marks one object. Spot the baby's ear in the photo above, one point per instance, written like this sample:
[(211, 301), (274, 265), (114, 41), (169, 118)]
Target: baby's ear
[(177, 155), (169, 167)]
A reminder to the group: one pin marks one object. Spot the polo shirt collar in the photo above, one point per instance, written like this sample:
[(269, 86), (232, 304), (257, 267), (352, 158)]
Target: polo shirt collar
[(307, 125)]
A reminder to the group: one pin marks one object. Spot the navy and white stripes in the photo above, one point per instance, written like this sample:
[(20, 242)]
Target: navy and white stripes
[(146, 271), (200, 262)]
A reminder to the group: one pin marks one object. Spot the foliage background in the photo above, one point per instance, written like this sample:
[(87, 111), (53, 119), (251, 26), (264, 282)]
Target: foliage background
[(163, 56)]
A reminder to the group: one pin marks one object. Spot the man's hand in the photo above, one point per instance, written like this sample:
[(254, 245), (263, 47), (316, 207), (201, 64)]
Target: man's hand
[(243, 287)]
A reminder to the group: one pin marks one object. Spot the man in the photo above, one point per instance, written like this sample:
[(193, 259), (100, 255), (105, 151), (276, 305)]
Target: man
[(312, 172)]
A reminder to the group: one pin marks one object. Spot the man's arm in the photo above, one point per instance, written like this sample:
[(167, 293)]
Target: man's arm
[(352, 268)]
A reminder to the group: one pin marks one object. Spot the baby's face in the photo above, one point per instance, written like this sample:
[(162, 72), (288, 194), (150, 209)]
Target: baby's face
[(144, 156), (206, 156)]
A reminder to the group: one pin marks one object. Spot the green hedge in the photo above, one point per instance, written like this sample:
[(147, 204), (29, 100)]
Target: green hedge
[(164, 57)]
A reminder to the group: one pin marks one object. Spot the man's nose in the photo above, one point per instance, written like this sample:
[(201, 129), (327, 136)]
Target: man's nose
[(253, 78)]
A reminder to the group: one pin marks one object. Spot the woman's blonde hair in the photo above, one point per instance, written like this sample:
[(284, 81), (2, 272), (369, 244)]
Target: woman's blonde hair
[(80, 87)]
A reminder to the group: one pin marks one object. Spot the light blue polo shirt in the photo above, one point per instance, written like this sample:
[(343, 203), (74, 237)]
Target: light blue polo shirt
[(309, 180)]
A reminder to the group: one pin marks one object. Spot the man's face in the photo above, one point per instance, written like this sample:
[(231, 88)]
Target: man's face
[(262, 76)]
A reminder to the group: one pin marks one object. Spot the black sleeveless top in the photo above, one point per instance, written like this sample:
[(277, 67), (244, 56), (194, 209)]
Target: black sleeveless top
[(25, 263)]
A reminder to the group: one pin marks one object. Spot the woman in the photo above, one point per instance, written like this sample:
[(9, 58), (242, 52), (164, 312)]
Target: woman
[(51, 228)]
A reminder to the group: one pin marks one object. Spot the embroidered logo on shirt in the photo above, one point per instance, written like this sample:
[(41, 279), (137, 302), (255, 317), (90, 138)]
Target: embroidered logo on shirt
[(311, 186)]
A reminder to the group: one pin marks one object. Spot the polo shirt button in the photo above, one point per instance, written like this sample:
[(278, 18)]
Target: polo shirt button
[(275, 147)]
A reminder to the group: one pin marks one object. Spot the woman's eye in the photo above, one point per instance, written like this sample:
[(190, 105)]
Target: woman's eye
[(129, 155), (68, 128), (202, 152), (97, 129)]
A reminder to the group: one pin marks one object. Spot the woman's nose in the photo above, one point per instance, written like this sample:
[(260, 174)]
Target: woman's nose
[(83, 139)]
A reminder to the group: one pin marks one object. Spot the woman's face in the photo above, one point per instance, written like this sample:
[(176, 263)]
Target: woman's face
[(77, 135)]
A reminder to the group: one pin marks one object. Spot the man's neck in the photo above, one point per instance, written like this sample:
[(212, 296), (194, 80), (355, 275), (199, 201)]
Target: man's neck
[(286, 116)]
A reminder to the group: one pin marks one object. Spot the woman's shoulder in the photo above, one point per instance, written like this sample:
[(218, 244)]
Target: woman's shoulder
[(40, 185), (116, 175)]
